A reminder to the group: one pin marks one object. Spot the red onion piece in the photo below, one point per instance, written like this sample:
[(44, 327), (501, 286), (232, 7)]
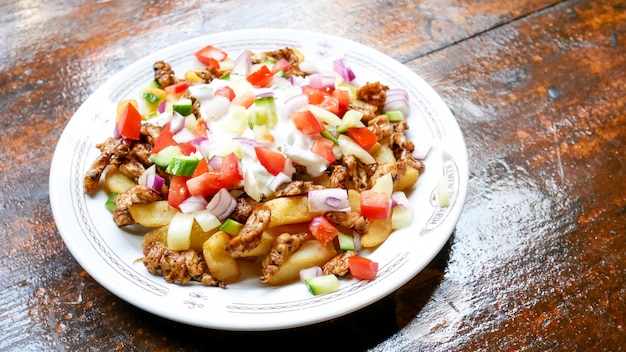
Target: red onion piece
[(193, 204), (294, 103), (183, 136), (177, 122), (400, 200), (308, 273), (217, 107), (277, 181), (247, 141), (242, 64), (341, 67), (155, 182), (397, 100), (265, 94), (215, 162), (161, 107), (203, 146), (222, 204), (116, 132), (318, 81), (328, 199)]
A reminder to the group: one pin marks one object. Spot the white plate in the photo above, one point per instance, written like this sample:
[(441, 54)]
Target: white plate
[(109, 254)]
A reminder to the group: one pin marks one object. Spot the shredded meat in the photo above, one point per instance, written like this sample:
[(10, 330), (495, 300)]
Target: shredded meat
[(338, 177), (339, 265), (177, 267), (285, 53), (381, 127), (374, 94), (150, 132), (396, 170), (209, 74), (358, 172), (163, 74), (243, 210), (132, 169), (283, 246), (350, 219), (133, 195), (296, 188), (113, 151), (250, 236)]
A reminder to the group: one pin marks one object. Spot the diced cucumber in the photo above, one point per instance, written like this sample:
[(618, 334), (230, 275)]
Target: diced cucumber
[(346, 242), (321, 285), (182, 165), (110, 203), (165, 156), (231, 227), (183, 106), (395, 115), (264, 112)]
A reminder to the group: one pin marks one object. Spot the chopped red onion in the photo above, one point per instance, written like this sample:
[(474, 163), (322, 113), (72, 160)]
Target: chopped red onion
[(247, 141), (215, 162), (192, 204), (183, 136), (203, 146), (222, 204), (155, 182), (161, 107), (318, 81), (357, 241), (397, 100), (308, 273), (277, 181), (328, 199), (294, 103), (242, 64), (400, 200), (341, 67), (217, 107), (177, 122), (116, 132), (266, 94)]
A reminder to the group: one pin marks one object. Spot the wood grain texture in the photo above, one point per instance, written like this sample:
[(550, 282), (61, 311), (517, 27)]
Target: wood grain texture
[(538, 87)]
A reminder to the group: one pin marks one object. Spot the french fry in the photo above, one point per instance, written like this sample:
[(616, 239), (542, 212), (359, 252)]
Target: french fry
[(311, 253), (154, 214), (116, 182), (221, 265), (158, 234), (378, 232), (289, 210), (354, 198), (408, 179), (384, 155)]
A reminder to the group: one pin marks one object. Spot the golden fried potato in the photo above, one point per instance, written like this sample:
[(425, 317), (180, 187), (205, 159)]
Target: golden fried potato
[(289, 210), (221, 265), (384, 155), (311, 253), (158, 234), (378, 232), (116, 182), (354, 198), (408, 180), (152, 214)]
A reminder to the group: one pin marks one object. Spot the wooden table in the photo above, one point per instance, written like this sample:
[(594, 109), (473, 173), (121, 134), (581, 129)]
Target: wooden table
[(538, 88)]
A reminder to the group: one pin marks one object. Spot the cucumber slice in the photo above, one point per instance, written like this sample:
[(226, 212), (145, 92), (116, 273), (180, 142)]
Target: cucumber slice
[(231, 227), (182, 165), (164, 157), (395, 115), (346, 242), (183, 106), (321, 285)]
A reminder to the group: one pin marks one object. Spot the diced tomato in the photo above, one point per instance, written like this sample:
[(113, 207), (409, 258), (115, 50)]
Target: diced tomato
[(177, 88), (306, 122), (280, 65), (210, 182), (187, 148), (230, 171), (315, 95), (205, 184), (324, 148), (322, 229), (129, 123), (201, 128), (363, 137), (178, 191), (203, 166), (210, 56), (343, 100), (329, 102), (226, 91), (245, 99), (375, 205), (272, 161), (261, 77), (164, 139), (362, 268)]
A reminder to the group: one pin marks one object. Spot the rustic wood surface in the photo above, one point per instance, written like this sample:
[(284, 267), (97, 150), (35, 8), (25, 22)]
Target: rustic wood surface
[(537, 260)]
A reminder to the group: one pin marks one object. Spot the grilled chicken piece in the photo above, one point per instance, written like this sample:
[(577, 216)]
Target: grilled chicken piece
[(339, 265), (250, 236), (284, 246)]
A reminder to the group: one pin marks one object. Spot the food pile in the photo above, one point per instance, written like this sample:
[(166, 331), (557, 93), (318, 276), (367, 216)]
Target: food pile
[(265, 159)]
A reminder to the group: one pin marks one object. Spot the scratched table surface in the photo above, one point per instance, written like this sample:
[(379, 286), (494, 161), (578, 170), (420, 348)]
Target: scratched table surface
[(538, 87)]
